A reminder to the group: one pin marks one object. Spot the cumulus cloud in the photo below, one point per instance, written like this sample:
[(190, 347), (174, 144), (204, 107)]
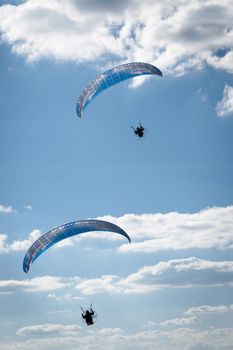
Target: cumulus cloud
[(209, 309), (178, 338), (175, 36), (48, 328), (224, 107), (7, 209), (103, 284), (110, 331), (182, 338), (64, 297), (183, 321), (210, 228), (37, 284), (178, 273)]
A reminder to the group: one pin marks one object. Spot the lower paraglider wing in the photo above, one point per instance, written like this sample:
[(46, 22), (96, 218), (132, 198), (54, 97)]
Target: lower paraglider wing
[(65, 231)]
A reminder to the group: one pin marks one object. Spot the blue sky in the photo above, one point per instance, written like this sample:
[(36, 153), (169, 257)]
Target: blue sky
[(171, 192)]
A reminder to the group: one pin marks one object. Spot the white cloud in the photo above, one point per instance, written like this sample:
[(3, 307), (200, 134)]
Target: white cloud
[(110, 331), (6, 209), (178, 273), (48, 328), (37, 284), (224, 107), (224, 62), (183, 321), (209, 309), (64, 297), (103, 284), (210, 228), (179, 338), (176, 36)]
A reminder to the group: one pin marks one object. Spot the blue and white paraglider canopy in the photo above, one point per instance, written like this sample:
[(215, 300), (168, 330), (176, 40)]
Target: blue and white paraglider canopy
[(112, 77), (65, 231)]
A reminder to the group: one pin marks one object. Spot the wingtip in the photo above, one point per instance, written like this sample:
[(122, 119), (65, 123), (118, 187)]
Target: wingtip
[(25, 269), (160, 73)]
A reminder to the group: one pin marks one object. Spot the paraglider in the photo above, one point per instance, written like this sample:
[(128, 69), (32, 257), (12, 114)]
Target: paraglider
[(139, 131), (65, 231), (89, 316), (112, 77)]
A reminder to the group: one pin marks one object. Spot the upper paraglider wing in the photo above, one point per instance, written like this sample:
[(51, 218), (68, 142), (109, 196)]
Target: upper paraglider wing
[(66, 231), (112, 77)]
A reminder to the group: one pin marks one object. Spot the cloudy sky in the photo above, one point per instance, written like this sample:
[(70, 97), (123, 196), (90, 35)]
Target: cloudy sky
[(171, 192)]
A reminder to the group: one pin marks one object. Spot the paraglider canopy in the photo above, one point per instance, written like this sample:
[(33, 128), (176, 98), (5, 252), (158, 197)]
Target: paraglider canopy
[(65, 231), (112, 77)]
